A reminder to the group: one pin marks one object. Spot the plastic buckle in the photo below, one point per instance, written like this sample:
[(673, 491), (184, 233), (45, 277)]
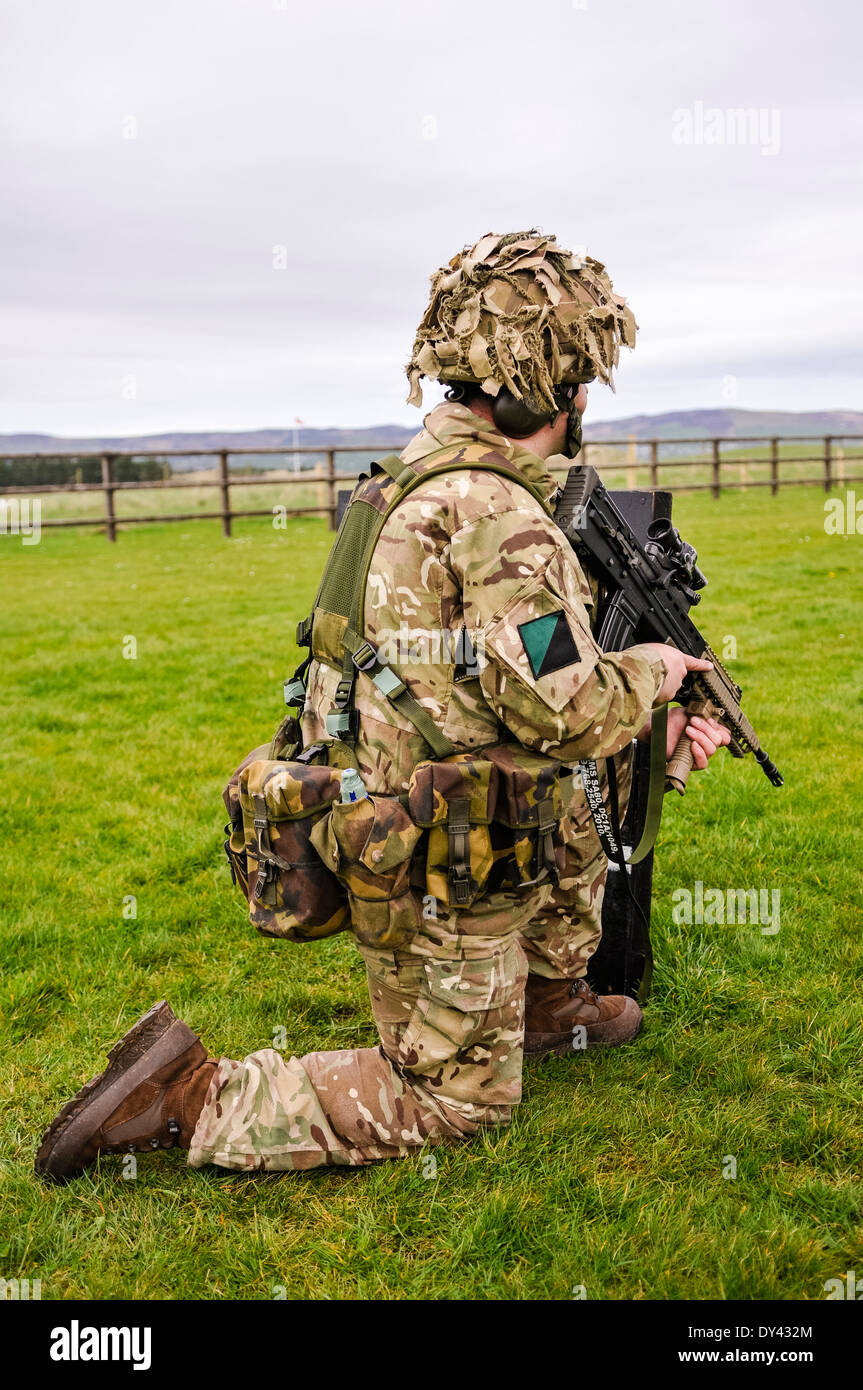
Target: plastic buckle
[(364, 657), (388, 683), (295, 693), (344, 690), (459, 882), (308, 755), (341, 723)]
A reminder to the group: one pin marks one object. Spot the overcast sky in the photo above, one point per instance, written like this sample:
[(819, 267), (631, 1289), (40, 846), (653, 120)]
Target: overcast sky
[(224, 213)]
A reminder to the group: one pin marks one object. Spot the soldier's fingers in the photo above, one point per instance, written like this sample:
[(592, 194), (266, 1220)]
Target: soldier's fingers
[(700, 739), (699, 757), (717, 732), (696, 663)]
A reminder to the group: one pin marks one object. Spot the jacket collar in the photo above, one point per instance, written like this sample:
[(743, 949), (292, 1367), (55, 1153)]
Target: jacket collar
[(450, 423)]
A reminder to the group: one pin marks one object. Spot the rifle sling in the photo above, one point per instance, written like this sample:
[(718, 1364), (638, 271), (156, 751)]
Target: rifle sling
[(609, 834)]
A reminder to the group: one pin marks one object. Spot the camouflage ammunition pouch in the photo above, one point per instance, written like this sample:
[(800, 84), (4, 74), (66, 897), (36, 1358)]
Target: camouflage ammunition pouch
[(493, 820), (369, 845), (454, 800), (526, 830), (274, 807)]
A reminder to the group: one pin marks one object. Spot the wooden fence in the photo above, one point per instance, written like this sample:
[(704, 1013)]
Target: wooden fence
[(331, 479)]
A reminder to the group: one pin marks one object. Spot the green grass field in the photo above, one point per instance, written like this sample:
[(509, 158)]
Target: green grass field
[(611, 1175)]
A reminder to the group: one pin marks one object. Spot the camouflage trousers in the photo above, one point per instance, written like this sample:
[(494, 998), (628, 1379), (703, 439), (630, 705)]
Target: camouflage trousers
[(449, 1012)]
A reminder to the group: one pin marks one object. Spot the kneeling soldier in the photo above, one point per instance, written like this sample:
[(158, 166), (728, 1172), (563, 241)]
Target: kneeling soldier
[(516, 326)]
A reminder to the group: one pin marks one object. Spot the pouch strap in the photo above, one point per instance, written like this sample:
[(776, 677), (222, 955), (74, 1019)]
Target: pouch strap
[(546, 822), (295, 686), (458, 834), (341, 722), (262, 830)]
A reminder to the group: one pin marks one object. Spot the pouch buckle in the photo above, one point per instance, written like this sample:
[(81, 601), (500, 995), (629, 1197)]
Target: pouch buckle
[(340, 722), (364, 657), (295, 693)]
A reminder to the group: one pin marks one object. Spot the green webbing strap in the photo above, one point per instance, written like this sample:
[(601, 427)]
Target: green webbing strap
[(365, 658), (656, 785), (341, 722), (399, 471)]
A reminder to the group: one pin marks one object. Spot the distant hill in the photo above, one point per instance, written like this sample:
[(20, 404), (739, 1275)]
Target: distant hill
[(727, 424), (395, 436), (677, 424)]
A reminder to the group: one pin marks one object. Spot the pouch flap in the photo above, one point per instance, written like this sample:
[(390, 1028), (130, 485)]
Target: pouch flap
[(525, 779), (462, 777), (290, 790), (231, 794), (364, 840)]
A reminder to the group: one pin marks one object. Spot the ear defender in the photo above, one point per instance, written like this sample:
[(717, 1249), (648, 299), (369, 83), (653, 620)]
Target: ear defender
[(514, 418)]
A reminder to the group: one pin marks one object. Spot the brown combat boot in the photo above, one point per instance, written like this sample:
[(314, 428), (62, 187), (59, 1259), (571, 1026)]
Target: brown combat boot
[(149, 1097), (554, 1008)]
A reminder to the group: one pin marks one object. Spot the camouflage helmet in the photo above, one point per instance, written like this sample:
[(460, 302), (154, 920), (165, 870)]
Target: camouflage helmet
[(519, 311)]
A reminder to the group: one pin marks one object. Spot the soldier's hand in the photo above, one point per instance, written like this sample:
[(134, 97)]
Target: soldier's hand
[(705, 735), (677, 664)]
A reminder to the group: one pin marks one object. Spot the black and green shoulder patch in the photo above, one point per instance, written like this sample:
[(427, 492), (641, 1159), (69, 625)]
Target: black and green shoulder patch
[(549, 643)]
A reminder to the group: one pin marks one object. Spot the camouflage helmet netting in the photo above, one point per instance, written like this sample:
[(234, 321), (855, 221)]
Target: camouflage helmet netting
[(522, 312)]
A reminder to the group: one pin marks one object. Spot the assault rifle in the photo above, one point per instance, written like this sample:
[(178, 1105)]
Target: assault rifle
[(649, 590)]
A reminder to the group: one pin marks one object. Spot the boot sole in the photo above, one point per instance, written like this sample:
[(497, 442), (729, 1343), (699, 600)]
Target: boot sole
[(159, 1037)]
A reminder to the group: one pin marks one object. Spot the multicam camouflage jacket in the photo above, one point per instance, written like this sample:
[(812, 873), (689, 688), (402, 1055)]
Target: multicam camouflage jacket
[(473, 552)]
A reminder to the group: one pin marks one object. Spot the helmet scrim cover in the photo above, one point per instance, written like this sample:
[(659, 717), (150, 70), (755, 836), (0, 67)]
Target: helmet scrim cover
[(522, 312)]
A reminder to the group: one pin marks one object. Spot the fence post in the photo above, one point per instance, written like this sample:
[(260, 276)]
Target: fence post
[(225, 486), (828, 462), (107, 479), (774, 467), (717, 461), (654, 463), (332, 499)]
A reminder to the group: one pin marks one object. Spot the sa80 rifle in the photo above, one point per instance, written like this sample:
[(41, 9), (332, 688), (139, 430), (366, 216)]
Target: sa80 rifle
[(649, 590)]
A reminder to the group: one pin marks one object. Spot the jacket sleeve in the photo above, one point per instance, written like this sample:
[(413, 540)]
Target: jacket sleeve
[(526, 603)]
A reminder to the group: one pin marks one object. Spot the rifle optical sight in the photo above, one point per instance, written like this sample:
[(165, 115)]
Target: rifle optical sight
[(664, 543)]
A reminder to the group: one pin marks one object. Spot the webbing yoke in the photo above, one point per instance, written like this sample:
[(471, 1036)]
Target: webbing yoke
[(342, 591)]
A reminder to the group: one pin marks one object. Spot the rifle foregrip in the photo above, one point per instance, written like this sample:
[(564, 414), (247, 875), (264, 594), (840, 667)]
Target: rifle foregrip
[(679, 765)]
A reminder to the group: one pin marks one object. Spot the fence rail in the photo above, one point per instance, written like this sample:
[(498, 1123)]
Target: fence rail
[(330, 479)]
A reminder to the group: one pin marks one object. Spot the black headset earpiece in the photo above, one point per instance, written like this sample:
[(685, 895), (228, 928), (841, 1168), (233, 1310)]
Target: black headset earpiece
[(514, 418)]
